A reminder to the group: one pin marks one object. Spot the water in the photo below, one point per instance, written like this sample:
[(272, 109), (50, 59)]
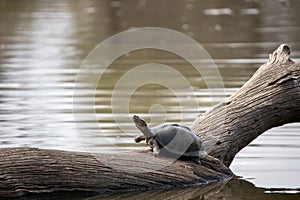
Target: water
[(43, 44)]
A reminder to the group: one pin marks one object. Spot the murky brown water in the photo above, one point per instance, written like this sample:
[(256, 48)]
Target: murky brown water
[(43, 44)]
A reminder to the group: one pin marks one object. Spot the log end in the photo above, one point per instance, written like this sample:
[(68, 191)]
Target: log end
[(280, 55)]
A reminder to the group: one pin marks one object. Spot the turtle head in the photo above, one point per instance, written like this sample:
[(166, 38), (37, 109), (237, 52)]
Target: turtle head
[(142, 126), (139, 122)]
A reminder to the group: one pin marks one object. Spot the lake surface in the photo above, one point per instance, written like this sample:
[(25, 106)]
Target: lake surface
[(44, 45)]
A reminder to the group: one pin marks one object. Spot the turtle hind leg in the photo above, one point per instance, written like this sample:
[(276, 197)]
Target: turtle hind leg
[(197, 160)]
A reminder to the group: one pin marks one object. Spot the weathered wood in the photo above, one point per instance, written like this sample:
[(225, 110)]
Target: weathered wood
[(270, 98), (31, 170)]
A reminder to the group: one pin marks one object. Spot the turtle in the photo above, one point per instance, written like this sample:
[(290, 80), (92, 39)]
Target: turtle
[(171, 140)]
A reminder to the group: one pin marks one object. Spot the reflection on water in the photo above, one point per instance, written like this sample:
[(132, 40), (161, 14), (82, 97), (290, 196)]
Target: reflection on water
[(42, 44), (234, 189)]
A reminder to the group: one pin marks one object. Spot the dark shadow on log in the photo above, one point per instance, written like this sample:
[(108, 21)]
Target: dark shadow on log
[(270, 98)]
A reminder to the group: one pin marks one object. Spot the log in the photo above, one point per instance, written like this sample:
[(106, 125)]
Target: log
[(269, 99), (26, 171)]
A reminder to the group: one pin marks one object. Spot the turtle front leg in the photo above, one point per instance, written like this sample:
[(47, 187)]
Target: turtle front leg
[(139, 138), (155, 148)]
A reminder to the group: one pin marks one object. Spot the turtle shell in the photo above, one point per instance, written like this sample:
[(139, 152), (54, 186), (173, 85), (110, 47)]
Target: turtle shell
[(174, 139)]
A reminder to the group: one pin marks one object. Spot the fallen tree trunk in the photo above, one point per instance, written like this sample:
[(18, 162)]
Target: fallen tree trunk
[(30, 170), (270, 98)]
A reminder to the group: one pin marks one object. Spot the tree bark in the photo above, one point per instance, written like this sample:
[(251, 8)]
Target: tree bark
[(269, 99)]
